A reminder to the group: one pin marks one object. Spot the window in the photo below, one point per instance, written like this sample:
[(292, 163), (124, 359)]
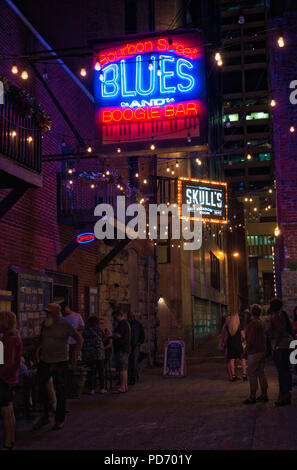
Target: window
[(214, 271), (231, 117), (232, 82), (259, 115)]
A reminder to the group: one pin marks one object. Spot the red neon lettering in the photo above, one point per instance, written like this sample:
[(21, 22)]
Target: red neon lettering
[(117, 115), (155, 112), (180, 110), (139, 113), (169, 110), (107, 116), (128, 114), (192, 108), (162, 44), (140, 47)]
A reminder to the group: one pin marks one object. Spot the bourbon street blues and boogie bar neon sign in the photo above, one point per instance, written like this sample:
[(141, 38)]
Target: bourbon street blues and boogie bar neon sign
[(150, 86)]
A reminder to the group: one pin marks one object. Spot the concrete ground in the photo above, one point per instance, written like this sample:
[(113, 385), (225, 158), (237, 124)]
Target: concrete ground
[(201, 411)]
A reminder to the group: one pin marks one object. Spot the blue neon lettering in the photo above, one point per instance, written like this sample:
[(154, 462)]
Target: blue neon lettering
[(166, 74), (184, 76), (125, 92), (139, 78), (112, 83)]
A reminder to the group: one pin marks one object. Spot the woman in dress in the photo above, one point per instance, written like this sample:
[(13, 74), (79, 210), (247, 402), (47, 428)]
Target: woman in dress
[(231, 345)]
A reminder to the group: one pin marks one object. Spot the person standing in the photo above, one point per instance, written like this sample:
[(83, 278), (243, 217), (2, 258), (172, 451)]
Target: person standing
[(52, 356), (75, 320), (234, 335), (256, 353), (122, 348), (93, 353), (281, 335), (137, 338), (9, 372)]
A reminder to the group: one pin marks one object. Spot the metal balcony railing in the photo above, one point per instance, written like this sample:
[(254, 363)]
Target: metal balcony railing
[(20, 137)]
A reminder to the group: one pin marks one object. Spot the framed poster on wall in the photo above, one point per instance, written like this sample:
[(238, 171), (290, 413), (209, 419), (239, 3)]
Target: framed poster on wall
[(33, 291)]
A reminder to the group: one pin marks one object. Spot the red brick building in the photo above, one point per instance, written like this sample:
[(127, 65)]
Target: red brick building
[(283, 85), (36, 223)]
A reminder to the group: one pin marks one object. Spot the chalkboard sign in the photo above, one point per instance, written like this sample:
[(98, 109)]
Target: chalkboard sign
[(174, 359)]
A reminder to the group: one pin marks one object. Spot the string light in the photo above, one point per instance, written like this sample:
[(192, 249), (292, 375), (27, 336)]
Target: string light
[(108, 173), (136, 175), (70, 182), (101, 76), (13, 134), (119, 148), (24, 75), (14, 68), (89, 149), (218, 56), (198, 161), (159, 73), (150, 65), (292, 129), (249, 157), (167, 169), (97, 66), (70, 171), (272, 103), (145, 181), (189, 139), (172, 172), (152, 147), (83, 72), (29, 139), (92, 186), (277, 231), (281, 41), (177, 164)]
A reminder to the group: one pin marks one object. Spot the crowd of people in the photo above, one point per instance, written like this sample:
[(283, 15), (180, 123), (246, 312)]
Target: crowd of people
[(252, 338), (64, 339)]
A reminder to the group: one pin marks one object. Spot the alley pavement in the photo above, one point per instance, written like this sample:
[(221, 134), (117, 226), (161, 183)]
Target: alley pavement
[(201, 411)]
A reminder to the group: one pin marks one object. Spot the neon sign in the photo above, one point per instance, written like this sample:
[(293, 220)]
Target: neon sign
[(154, 87), (210, 195), (84, 238)]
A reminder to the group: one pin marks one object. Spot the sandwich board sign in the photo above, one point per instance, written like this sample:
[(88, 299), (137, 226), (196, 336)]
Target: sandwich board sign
[(174, 359)]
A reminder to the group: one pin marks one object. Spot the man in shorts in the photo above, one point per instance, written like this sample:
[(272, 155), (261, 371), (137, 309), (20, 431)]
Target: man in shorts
[(122, 349)]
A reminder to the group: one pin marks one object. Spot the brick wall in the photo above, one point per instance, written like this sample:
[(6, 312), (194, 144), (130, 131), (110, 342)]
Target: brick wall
[(30, 236), (283, 66)]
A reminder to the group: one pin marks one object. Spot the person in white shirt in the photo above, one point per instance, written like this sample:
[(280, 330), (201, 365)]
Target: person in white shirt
[(76, 321)]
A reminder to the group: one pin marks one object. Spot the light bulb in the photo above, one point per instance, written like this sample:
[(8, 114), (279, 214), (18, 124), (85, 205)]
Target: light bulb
[(292, 129), (281, 41), (97, 66), (119, 150), (29, 139), (108, 173), (177, 164), (189, 137), (70, 171), (136, 175), (272, 103), (83, 72), (150, 66), (13, 134), (24, 75), (14, 68), (92, 186), (218, 56), (172, 172), (220, 63), (145, 181), (198, 161), (89, 149), (70, 182), (168, 169), (159, 73), (101, 76), (241, 19), (249, 157)]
